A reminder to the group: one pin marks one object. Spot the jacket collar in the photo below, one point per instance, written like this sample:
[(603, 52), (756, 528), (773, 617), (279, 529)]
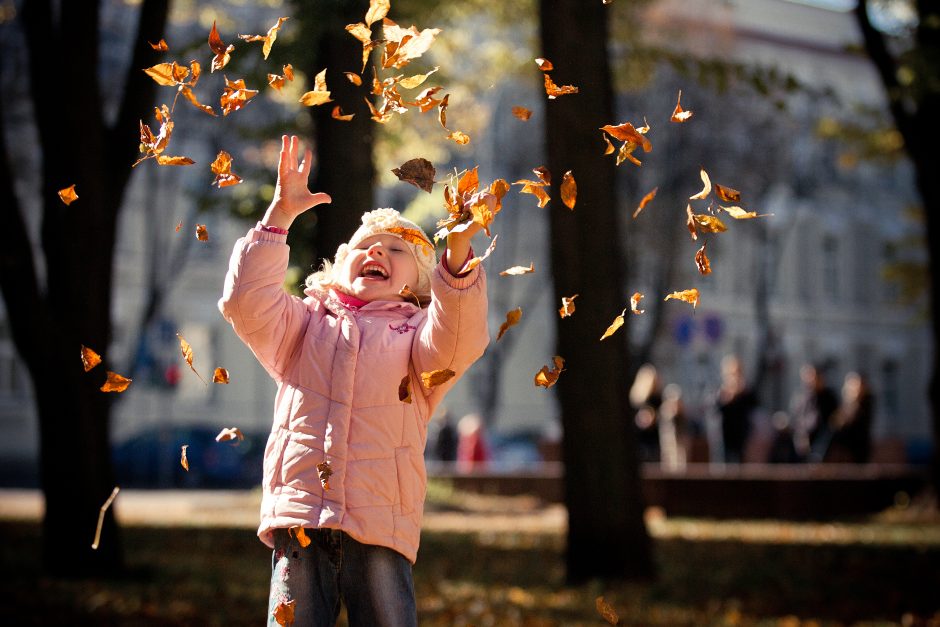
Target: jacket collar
[(333, 304)]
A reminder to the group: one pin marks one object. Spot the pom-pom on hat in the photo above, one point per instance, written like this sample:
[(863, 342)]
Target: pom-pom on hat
[(391, 222)]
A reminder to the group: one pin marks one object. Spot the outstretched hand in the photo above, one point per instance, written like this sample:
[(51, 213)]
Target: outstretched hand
[(291, 195)]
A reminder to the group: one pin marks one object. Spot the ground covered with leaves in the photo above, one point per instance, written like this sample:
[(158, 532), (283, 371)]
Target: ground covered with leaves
[(881, 571)]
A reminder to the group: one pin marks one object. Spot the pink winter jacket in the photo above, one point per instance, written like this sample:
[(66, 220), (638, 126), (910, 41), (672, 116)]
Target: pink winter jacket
[(337, 372)]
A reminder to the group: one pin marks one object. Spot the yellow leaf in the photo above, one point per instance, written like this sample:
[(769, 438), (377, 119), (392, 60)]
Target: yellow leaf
[(413, 81), (709, 224), (459, 137), (616, 324), (706, 189), (354, 78), (512, 319), (544, 64), (727, 194), (167, 160), (740, 214), (689, 296), (434, 378), (68, 195), (220, 376), (554, 90), (378, 9)]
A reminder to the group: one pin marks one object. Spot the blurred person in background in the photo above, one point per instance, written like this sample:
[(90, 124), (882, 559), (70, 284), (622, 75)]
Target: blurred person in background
[(812, 408), (850, 424), (646, 396), (735, 403), (673, 429), (472, 449)]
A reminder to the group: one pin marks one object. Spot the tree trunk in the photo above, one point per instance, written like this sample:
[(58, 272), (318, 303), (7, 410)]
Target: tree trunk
[(606, 534)]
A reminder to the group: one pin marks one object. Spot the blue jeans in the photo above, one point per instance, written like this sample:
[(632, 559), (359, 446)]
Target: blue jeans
[(374, 582)]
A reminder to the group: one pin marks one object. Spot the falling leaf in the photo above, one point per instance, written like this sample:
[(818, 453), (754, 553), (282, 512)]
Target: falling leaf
[(459, 137), (442, 110), (191, 97), (230, 434), (404, 389), (187, 351), (325, 471), (679, 114), (522, 113), (603, 607), (284, 613), (201, 233), (709, 224), (567, 306), (548, 375), (90, 358), (220, 375), (160, 46), (320, 94), (518, 270), (701, 261), (268, 39), (616, 324), (235, 95), (569, 190), (168, 74), (101, 512), (337, 114), (222, 52), (689, 296), (512, 319), (418, 171), (554, 90), (473, 263), (741, 214), (222, 168), (727, 194), (706, 190), (406, 293), (626, 154), (414, 81), (277, 81), (626, 132), (635, 303), (610, 147), (115, 383), (183, 461), (544, 175), (378, 9), (167, 160), (690, 222), (535, 188), (434, 378), (68, 195), (402, 45), (646, 199), (301, 534), (544, 64), (412, 236)]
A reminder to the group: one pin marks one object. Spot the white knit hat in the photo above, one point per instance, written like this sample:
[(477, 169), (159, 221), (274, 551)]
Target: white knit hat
[(391, 222)]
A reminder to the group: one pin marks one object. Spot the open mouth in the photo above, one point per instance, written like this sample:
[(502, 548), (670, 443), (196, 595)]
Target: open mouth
[(373, 271)]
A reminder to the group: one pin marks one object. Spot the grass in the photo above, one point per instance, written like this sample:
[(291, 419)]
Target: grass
[(882, 571)]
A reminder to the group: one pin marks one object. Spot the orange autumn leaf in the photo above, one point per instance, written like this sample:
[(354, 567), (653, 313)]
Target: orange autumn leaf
[(402, 45), (338, 114), (690, 222), (222, 168), (741, 214), (610, 147), (319, 94), (616, 324), (701, 261), (567, 306), (68, 195), (378, 9), (90, 358), (518, 270), (187, 351), (522, 113), (646, 199), (167, 160), (604, 608), (191, 97), (473, 263), (544, 64), (160, 46), (548, 375), (626, 132), (709, 224), (301, 534), (153, 145), (325, 471), (284, 613), (418, 171), (689, 296), (235, 95), (435, 378), (201, 233), (626, 154), (230, 434), (277, 81), (414, 81), (353, 78), (404, 389), (512, 319), (679, 114), (706, 189), (544, 175), (554, 90), (168, 74), (569, 190), (442, 110), (115, 383), (727, 194), (268, 38), (220, 375), (183, 461), (635, 303), (222, 52), (535, 188)]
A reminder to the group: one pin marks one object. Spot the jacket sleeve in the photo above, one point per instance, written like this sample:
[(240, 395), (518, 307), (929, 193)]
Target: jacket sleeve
[(266, 318), (455, 332)]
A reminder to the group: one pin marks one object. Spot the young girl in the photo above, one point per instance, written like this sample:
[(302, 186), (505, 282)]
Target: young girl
[(344, 463)]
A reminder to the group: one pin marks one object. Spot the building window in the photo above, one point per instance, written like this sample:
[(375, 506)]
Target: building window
[(890, 393), (891, 290), (830, 268)]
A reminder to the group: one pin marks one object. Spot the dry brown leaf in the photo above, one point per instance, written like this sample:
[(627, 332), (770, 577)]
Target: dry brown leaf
[(646, 199), (473, 263), (235, 95), (378, 9), (548, 375), (689, 296), (701, 261), (567, 306), (402, 45), (554, 90), (741, 214), (709, 224), (337, 114), (183, 461), (277, 81), (354, 78), (414, 81), (160, 46), (635, 303), (690, 222), (187, 351), (230, 434), (569, 190), (544, 64), (223, 53), (418, 171), (101, 512), (268, 38), (90, 358), (727, 194), (544, 175), (222, 168), (679, 114), (434, 378), (115, 383), (610, 147), (404, 389), (604, 608), (626, 132), (320, 94), (191, 97), (616, 324), (325, 471), (201, 233), (519, 270), (220, 375), (284, 613), (68, 195), (535, 188), (512, 319), (706, 189), (167, 160), (459, 137), (522, 113)]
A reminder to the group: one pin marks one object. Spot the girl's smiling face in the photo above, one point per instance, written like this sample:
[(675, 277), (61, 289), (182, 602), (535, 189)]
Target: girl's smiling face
[(378, 267)]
